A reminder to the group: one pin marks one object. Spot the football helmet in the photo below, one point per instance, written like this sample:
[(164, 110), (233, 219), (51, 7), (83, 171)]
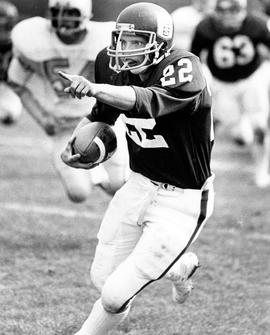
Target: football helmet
[(8, 18), (148, 20), (69, 18), (230, 14)]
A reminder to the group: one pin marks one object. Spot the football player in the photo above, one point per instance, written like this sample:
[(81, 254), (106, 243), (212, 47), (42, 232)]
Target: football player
[(151, 221), (185, 19), (70, 41), (232, 36), (10, 103)]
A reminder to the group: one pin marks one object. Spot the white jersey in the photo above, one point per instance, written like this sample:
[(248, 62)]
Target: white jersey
[(43, 54), (185, 20)]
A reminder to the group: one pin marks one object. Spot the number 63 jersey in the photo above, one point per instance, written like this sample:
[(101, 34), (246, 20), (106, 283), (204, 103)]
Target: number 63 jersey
[(40, 54), (169, 130), (233, 55)]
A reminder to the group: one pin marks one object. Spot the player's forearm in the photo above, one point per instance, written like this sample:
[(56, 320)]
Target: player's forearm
[(121, 97)]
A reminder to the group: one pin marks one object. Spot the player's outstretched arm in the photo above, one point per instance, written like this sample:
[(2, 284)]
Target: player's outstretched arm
[(120, 97), (18, 76), (47, 121)]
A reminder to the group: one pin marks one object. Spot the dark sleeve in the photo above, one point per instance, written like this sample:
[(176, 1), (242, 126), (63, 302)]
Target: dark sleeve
[(177, 91), (103, 75)]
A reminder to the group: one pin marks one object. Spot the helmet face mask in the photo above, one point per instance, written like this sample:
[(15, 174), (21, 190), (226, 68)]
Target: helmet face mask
[(146, 20), (65, 18), (118, 54), (69, 18)]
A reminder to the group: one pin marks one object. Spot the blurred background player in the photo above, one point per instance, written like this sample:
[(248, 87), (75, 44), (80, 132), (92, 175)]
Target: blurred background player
[(66, 40), (10, 104), (231, 36), (185, 20)]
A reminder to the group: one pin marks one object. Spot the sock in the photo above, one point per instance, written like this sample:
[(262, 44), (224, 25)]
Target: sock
[(100, 322)]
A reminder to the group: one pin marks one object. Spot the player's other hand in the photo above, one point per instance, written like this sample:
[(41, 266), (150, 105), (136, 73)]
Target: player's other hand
[(79, 86), (72, 159)]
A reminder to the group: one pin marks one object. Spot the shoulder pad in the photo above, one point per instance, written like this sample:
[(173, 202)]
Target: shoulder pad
[(185, 17), (28, 37)]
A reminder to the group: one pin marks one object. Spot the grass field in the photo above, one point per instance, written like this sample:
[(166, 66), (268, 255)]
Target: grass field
[(47, 243)]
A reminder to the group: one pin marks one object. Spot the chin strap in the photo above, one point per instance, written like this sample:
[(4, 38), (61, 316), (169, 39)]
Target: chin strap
[(163, 56)]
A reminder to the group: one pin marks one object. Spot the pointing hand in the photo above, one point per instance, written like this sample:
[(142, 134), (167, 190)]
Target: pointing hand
[(79, 86)]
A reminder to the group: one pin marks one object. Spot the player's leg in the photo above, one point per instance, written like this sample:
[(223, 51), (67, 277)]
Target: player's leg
[(100, 322), (185, 215), (167, 232), (10, 105), (172, 221), (118, 235), (180, 275), (119, 231), (255, 100), (226, 112), (77, 182)]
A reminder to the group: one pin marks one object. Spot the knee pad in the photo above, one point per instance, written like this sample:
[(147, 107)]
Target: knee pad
[(112, 300), (77, 194), (121, 287), (77, 184)]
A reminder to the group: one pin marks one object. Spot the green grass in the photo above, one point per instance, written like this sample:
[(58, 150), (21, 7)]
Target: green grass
[(45, 255)]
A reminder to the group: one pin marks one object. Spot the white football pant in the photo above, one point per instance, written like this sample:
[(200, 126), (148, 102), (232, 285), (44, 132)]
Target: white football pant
[(247, 97), (145, 230), (242, 108)]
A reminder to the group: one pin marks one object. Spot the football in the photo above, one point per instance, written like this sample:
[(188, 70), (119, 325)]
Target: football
[(95, 142)]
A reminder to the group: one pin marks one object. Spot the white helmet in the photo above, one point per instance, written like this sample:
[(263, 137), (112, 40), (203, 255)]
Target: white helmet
[(69, 17)]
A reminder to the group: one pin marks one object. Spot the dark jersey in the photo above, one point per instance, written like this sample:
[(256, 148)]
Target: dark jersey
[(5, 58), (232, 56), (169, 130)]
